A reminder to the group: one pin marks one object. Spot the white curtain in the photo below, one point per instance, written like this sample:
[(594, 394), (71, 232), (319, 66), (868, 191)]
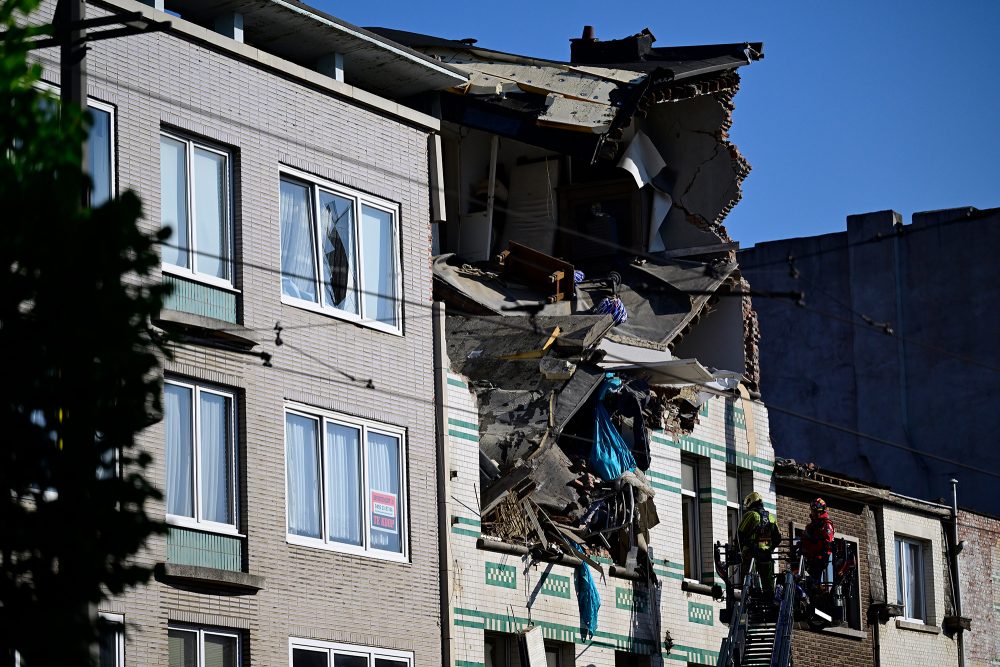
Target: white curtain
[(173, 201), (343, 483), (379, 265), (298, 270), (216, 456), (303, 476), (179, 424), (383, 472)]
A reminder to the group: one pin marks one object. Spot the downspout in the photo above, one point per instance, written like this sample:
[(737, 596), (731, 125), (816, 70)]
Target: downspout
[(444, 480), (955, 571)]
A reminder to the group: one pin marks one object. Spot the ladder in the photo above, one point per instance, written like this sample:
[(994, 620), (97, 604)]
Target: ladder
[(759, 634)]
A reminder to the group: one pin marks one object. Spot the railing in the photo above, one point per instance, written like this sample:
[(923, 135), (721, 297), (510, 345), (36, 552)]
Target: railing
[(782, 654), (731, 653)]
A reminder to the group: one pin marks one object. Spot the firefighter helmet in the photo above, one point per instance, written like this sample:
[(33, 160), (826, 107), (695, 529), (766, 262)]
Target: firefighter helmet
[(818, 506), (753, 498)]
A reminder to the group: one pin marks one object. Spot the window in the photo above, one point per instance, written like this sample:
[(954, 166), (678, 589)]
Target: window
[(910, 578), (310, 653), (345, 488), (100, 152), (340, 253), (195, 205), (111, 640), (198, 647), (201, 456), (733, 496), (689, 519), (100, 145)]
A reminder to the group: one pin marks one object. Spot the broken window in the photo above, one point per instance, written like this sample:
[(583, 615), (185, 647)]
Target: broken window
[(340, 252), (689, 518)]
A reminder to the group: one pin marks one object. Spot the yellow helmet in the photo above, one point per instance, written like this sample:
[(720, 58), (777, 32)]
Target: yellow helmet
[(752, 499)]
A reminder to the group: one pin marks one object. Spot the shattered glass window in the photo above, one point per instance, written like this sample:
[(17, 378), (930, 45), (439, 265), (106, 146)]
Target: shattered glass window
[(340, 251)]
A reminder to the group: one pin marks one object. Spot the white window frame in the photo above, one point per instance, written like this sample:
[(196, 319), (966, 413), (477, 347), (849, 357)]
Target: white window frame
[(694, 548), (332, 648), (197, 522), (734, 505), (118, 621), (364, 425), (902, 570), (190, 143), (202, 631), (314, 184), (112, 135)]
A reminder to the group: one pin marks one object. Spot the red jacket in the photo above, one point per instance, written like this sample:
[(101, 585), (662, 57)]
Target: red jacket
[(817, 538)]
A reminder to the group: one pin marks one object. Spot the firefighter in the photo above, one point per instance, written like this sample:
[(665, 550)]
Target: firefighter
[(816, 543), (759, 536)]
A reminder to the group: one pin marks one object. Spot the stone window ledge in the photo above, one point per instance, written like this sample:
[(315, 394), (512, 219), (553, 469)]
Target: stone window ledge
[(917, 626), (171, 572)]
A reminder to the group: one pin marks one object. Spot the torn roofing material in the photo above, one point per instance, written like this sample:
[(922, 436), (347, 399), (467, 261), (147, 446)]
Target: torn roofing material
[(595, 94)]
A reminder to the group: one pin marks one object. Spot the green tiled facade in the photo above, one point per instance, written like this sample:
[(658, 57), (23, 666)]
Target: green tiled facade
[(196, 298), (555, 585), (504, 576), (701, 613), (633, 600), (193, 547)]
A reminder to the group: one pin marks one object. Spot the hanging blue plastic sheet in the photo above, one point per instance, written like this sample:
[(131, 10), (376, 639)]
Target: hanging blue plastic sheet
[(587, 598), (610, 456)]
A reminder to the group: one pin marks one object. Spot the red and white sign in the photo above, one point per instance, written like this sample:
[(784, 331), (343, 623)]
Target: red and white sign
[(384, 511)]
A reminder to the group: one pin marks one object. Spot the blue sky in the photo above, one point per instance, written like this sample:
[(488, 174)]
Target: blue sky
[(856, 107)]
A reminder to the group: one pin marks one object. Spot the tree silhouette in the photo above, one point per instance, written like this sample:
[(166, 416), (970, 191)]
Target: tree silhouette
[(80, 369)]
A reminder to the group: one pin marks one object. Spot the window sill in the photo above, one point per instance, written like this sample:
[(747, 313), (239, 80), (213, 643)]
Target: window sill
[(216, 528), (204, 327), (373, 554), (172, 573), (850, 633), (198, 277), (917, 626), (340, 315)]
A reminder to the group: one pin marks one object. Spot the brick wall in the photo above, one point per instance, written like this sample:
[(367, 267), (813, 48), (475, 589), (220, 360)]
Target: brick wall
[(268, 120), (979, 563), (811, 648)]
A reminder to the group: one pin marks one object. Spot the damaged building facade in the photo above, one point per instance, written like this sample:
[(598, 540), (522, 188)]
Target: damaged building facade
[(597, 361)]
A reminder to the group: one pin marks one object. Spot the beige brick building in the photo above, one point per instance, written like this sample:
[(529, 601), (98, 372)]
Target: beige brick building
[(300, 493)]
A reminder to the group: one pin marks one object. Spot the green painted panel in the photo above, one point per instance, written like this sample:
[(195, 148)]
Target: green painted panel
[(627, 598), (197, 298), (457, 383), (464, 436), (701, 613), (504, 576), (555, 585), (468, 663), (735, 417), (193, 547), (463, 424)]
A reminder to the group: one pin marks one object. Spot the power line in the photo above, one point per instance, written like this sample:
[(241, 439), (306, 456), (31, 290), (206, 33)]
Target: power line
[(369, 385)]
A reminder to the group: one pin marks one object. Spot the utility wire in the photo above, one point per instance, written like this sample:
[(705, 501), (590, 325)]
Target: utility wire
[(715, 390)]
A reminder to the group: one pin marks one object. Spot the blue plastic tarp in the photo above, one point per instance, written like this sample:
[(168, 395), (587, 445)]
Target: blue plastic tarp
[(610, 456), (588, 599)]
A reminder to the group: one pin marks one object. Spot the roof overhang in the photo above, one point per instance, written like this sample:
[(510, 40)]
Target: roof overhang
[(297, 32)]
